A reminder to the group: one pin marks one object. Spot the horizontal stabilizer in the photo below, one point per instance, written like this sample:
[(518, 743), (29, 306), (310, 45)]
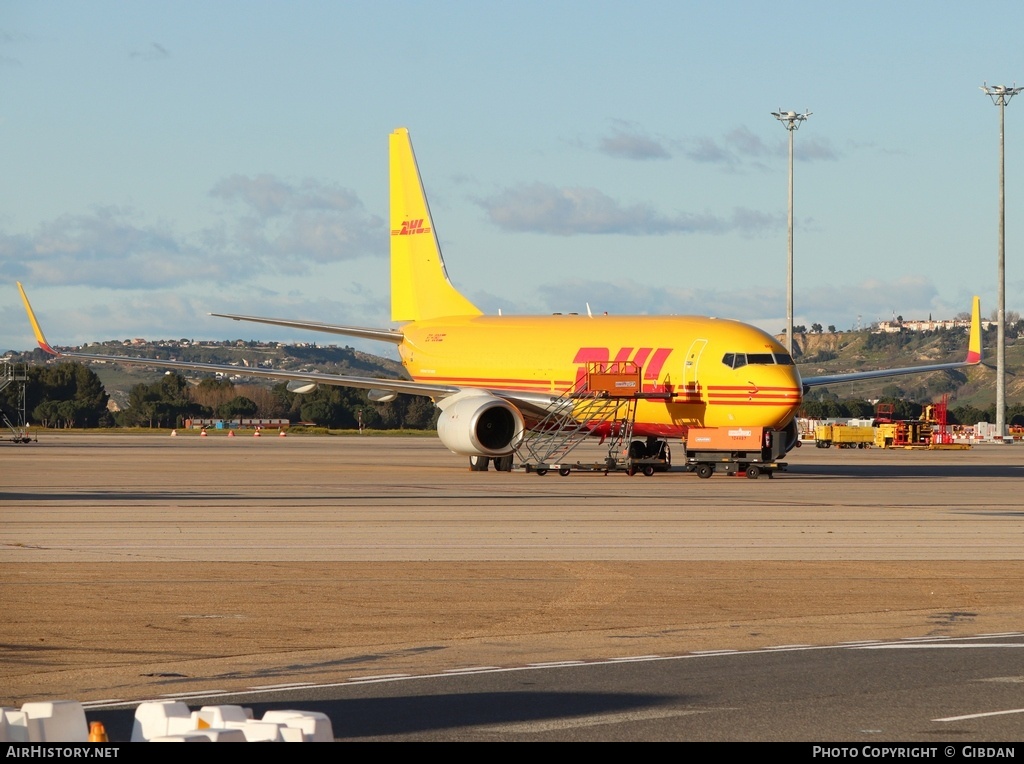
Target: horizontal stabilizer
[(973, 359), (299, 380), (366, 333)]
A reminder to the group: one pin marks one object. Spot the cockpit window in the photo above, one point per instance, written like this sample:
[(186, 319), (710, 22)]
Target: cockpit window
[(739, 360)]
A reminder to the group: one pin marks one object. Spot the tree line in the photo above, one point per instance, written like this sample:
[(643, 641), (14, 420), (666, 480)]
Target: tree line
[(61, 395), (831, 407), (69, 394)]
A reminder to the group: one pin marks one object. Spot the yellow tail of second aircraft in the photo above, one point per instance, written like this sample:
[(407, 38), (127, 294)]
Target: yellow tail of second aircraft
[(420, 289)]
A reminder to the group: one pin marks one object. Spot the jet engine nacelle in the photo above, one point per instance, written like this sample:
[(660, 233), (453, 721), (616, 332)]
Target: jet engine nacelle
[(300, 387), (476, 423)]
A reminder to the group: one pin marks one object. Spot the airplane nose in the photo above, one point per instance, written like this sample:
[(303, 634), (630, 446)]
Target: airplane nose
[(778, 389)]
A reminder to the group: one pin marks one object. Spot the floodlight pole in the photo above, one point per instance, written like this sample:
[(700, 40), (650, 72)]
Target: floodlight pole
[(791, 121), (1001, 95)]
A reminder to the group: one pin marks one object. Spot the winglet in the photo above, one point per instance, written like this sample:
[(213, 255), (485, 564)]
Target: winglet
[(974, 344), (35, 324)]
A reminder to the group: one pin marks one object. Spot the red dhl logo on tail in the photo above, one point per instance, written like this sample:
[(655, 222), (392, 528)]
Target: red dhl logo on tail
[(410, 227), (651, 360)]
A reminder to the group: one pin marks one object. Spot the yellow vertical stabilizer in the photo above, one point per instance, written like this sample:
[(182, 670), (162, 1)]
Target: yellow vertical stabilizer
[(420, 288), (974, 342)]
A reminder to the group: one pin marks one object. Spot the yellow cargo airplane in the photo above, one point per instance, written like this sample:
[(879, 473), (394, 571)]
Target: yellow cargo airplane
[(493, 377)]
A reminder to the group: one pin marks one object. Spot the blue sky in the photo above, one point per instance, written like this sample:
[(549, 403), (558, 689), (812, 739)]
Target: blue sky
[(166, 159)]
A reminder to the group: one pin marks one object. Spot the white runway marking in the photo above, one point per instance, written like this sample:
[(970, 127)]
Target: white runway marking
[(713, 652), (918, 644), (933, 646), (594, 721), (378, 678), (288, 686), (979, 716)]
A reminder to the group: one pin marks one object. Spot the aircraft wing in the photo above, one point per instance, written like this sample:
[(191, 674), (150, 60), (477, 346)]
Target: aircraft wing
[(531, 403), (383, 335), (973, 358), (365, 383)]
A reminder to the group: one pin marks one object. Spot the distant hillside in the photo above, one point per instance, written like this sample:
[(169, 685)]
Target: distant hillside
[(841, 352), (331, 359), (816, 354)]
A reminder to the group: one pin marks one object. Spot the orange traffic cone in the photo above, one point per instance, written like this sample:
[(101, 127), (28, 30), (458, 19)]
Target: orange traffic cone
[(256, 434), (202, 434), (98, 733), (282, 434), (174, 433), (231, 433)]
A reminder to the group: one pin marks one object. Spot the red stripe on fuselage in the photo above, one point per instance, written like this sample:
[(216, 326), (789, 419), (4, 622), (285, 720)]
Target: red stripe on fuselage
[(494, 381)]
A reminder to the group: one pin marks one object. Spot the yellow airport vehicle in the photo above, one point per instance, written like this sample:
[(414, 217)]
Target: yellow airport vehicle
[(843, 436)]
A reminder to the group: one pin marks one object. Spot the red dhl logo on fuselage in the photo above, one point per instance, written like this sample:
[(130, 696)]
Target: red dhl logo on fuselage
[(654, 358), (651, 360), (410, 227)]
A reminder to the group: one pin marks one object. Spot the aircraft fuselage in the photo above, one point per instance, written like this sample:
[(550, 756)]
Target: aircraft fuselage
[(684, 356)]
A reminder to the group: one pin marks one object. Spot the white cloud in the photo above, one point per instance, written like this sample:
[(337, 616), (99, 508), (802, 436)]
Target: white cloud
[(765, 307), (707, 150), (632, 145), (627, 297), (107, 248), (813, 148), (739, 146), (270, 196), (281, 228), (295, 224), (543, 208), (153, 52), (746, 143)]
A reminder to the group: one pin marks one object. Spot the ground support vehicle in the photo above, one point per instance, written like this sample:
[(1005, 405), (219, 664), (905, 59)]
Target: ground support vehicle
[(631, 457), (843, 436), (602, 404), (749, 451)]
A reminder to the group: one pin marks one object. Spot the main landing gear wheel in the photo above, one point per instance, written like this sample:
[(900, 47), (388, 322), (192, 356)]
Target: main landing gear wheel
[(704, 471), (503, 463), (753, 472), (478, 463)]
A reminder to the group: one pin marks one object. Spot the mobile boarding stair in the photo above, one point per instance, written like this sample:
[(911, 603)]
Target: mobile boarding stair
[(15, 374), (601, 403)]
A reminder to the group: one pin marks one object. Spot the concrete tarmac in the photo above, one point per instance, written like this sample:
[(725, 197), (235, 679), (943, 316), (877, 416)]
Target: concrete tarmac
[(138, 566)]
